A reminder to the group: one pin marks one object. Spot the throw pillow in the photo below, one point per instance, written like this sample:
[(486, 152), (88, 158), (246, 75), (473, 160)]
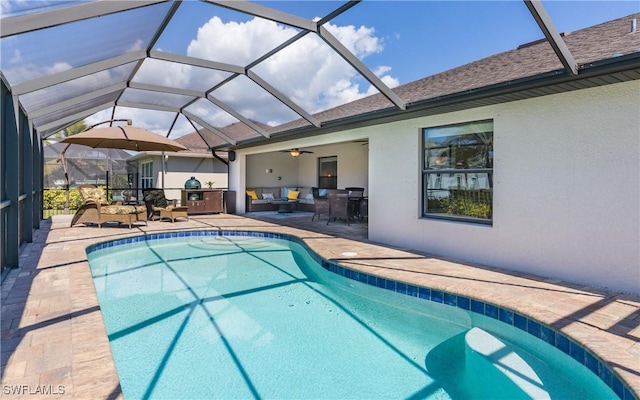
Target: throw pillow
[(293, 195), (267, 196), (285, 191), (309, 196), (322, 192), (252, 194)]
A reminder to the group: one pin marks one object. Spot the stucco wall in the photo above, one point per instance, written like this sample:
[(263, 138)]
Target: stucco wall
[(178, 170), (566, 188)]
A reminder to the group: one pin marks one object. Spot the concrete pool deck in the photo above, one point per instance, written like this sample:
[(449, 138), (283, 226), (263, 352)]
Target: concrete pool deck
[(54, 343)]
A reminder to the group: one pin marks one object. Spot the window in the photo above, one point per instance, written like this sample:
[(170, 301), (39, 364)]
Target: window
[(328, 172), (146, 174), (457, 172)]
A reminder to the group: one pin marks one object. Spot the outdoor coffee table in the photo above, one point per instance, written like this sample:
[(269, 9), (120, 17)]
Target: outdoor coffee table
[(285, 206)]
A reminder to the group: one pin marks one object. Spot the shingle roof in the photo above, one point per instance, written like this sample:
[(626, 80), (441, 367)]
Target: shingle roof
[(587, 46)]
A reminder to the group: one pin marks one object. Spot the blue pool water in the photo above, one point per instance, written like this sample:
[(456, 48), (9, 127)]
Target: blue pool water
[(248, 317)]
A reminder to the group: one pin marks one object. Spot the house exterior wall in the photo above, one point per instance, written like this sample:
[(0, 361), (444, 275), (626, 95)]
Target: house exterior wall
[(566, 188), (177, 170), (566, 200)]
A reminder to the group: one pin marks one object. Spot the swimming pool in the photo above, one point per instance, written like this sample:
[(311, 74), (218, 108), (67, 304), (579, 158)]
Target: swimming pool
[(242, 315)]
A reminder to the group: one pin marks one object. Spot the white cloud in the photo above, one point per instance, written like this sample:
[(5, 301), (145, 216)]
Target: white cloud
[(309, 72)]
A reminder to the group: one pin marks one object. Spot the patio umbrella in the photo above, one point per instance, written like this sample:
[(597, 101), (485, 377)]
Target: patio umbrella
[(117, 137), (124, 137)]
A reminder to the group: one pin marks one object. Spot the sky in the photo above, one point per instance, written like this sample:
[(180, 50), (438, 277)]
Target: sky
[(400, 41)]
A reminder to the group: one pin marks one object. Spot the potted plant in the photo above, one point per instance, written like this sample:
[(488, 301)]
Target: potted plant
[(209, 184)]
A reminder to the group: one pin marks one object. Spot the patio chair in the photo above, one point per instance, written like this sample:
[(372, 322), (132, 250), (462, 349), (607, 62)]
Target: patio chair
[(320, 204), (96, 209), (158, 204), (338, 206)]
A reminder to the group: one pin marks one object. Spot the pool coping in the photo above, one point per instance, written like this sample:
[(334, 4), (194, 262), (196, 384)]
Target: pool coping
[(51, 301)]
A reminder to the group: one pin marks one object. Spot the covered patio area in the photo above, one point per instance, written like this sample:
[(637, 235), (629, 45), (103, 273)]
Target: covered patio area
[(54, 337)]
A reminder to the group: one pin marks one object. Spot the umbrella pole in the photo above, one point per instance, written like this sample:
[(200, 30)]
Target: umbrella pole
[(107, 181), (66, 179)]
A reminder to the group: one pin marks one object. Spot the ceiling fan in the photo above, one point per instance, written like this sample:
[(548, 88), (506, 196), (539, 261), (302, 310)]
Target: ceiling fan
[(296, 152)]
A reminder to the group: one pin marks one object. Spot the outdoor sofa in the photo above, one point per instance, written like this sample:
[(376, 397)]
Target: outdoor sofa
[(260, 198)]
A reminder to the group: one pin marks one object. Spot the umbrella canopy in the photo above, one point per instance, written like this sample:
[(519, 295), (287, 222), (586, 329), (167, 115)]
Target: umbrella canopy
[(124, 137)]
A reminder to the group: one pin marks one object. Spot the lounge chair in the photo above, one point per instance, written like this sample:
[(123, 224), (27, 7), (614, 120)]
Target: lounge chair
[(96, 209), (157, 203)]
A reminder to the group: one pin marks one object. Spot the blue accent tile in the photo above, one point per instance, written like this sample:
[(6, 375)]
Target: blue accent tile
[(381, 282), (591, 362), (520, 322), (424, 293), (464, 303), (604, 373), (437, 296), (562, 343), (491, 311), (340, 270), (548, 335), (371, 280), (617, 386), (364, 278), (391, 285), (577, 352), (450, 299), (627, 395), (401, 287), (477, 306), (505, 316), (412, 290), (534, 328)]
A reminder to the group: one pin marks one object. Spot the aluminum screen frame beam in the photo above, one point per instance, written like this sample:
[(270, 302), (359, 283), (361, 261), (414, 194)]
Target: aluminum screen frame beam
[(77, 100), (36, 21), (209, 127), (78, 72), (558, 44)]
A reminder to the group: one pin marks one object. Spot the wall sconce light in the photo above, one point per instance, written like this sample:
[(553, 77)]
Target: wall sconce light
[(269, 170)]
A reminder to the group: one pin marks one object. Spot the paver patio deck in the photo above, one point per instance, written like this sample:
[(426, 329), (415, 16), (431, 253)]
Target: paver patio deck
[(54, 339)]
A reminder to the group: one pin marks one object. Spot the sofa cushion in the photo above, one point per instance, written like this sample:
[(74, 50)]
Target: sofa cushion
[(95, 194), (292, 194), (285, 191), (267, 196), (252, 194), (305, 192), (262, 201)]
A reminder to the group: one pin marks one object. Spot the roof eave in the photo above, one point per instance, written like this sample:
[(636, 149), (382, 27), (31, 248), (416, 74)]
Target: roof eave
[(553, 82)]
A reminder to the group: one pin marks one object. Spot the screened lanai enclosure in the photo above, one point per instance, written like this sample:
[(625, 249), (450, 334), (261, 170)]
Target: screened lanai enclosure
[(237, 73), (85, 165)]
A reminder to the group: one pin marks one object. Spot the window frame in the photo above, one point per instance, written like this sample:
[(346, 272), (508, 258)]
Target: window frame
[(426, 173), (144, 179)]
